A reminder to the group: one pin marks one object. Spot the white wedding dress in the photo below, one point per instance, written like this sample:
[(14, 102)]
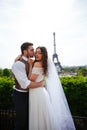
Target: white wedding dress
[(48, 107), (40, 107)]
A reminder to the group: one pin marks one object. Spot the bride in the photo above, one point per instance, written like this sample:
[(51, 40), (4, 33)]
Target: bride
[(48, 107)]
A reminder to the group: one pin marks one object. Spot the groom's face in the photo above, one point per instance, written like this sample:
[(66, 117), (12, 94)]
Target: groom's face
[(30, 51)]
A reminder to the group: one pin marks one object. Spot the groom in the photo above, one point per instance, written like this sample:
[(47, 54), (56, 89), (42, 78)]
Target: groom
[(20, 70)]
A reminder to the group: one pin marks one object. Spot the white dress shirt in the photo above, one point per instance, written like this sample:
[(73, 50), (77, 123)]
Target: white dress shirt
[(19, 71)]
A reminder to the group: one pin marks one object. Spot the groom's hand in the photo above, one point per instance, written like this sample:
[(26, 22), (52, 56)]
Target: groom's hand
[(42, 83)]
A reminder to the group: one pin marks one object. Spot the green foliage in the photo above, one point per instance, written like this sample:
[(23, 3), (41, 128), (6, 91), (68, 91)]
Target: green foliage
[(75, 89), (76, 92), (6, 72), (80, 70), (6, 89), (1, 72)]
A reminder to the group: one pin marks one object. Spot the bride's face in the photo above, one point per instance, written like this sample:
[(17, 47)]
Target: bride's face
[(38, 54)]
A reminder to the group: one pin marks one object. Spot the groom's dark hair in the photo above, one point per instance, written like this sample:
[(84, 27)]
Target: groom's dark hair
[(25, 46)]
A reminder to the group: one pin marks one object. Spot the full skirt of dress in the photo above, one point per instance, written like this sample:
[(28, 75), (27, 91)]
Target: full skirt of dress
[(40, 110)]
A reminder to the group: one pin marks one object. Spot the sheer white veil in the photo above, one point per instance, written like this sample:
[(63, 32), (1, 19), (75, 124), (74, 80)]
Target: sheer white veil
[(62, 115)]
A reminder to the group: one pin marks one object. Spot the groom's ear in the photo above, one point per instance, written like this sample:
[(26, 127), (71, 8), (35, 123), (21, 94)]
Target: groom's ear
[(25, 52)]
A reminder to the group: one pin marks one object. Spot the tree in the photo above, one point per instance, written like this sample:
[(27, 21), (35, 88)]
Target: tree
[(82, 71), (1, 72), (6, 72)]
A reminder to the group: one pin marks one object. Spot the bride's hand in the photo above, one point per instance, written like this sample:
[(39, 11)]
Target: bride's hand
[(30, 61), (18, 58)]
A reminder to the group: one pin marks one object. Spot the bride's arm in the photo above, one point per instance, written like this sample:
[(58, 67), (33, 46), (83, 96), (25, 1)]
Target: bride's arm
[(32, 76), (19, 57)]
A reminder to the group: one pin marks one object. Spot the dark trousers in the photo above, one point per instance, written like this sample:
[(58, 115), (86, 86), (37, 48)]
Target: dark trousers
[(21, 101)]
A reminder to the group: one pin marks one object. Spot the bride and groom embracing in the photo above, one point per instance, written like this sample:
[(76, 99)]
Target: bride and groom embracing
[(39, 100)]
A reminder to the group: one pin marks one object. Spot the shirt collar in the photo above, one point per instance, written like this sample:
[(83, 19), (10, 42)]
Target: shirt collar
[(25, 58)]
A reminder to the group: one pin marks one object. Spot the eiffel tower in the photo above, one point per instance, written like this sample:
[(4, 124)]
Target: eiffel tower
[(55, 56)]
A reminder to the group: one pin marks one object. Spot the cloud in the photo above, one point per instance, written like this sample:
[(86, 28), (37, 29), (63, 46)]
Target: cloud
[(35, 21)]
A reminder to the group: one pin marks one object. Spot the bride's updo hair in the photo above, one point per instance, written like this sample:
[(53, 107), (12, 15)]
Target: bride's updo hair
[(44, 58)]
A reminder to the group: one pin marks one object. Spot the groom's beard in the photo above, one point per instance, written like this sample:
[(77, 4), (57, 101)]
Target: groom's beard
[(28, 55)]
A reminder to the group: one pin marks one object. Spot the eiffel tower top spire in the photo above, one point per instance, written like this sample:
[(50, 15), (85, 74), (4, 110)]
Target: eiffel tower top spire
[(55, 56), (54, 43)]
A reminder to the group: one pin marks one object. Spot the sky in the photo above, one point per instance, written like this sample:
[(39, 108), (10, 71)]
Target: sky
[(36, 20)]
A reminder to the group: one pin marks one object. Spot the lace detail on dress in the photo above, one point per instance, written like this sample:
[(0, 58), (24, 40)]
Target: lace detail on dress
[(36, 70), (39, 71)]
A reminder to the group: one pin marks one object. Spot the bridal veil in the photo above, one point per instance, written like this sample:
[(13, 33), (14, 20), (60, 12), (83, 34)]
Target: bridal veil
[(62, 115)]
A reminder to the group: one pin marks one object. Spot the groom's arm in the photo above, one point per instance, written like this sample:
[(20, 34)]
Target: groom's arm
[(18, 70)]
